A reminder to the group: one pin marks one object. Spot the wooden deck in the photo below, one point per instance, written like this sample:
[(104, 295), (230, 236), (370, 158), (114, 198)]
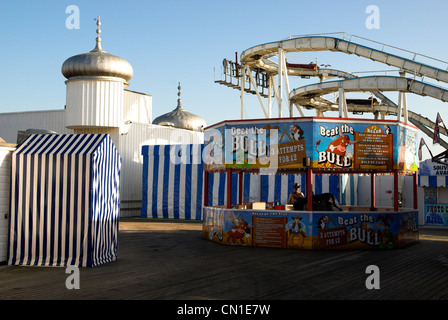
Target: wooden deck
[(168, 260)]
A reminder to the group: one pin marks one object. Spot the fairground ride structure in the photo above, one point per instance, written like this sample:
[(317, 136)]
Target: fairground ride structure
[(264, 71)]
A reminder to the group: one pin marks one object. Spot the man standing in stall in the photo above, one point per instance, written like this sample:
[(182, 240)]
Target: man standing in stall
[(295, 194)]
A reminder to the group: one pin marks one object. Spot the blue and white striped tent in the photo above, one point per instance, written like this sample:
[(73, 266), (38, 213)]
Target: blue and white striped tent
[(64, 204), (173, 188), (172, 181)]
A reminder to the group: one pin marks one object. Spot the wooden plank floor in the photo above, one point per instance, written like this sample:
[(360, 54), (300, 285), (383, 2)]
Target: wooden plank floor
[(169, 260)]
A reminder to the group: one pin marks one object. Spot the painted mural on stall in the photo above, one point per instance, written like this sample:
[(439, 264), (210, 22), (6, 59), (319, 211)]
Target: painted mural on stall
[(266, 145), (344, 144), (260, 228), (364, 146), (366, 230), (299, 230)]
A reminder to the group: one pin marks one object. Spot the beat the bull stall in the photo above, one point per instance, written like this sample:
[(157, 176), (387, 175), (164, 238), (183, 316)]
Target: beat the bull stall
[(312, 146)]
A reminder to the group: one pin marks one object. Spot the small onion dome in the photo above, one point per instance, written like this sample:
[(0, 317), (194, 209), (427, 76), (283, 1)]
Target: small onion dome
[(179, 118), (97, 63)]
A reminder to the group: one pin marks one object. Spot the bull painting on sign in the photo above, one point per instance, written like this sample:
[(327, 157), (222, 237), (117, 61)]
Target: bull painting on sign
[(338, 151)]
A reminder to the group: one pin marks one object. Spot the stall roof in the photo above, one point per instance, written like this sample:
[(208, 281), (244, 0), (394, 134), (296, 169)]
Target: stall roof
[(299, 119), (3, 143)]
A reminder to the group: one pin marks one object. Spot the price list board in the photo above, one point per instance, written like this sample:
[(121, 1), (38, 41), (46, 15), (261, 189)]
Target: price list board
[(269, 231), (373, 149)]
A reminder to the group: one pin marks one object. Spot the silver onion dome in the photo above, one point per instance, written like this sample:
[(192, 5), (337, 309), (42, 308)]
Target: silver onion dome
[(180, 118), (97, 63)]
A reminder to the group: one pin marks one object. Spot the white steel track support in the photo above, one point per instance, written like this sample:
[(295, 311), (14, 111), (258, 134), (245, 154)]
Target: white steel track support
[(285, 75), (243, 78), (280, 82), (249, 72), (343, 113), (270, 97), (402, 107), (277, 97)]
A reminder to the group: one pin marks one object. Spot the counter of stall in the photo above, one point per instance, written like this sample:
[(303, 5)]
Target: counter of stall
[(274, 225)]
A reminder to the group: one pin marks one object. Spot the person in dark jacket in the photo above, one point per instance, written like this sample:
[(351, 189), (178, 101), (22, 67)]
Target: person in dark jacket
[(295, 194)]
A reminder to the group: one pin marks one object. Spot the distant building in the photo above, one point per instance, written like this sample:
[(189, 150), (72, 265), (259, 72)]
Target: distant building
[(98, 101)]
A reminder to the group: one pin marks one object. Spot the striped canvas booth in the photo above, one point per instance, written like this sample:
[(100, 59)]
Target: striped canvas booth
[(174, 189), (172, 181), (64, 205)]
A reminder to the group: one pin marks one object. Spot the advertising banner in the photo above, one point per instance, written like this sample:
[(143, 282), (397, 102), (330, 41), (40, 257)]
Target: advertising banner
[(436, 214), (429, 168), (346, 144), (306, 230), (359, 145)]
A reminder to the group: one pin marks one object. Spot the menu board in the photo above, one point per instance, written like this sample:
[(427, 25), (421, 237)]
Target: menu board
[(373, 149), (269, 231)]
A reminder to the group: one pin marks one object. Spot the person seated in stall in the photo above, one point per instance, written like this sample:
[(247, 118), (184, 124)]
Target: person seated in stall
[(295, 194)]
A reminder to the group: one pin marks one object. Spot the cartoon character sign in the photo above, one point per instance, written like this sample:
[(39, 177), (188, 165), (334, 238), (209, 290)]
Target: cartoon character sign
[(387, 237), (296, 132), (239, 231), (296, 232)]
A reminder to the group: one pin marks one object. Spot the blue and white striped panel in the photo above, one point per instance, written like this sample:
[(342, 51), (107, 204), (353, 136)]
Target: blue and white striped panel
[(349, 188), (172, 189), (50, 200), (252, 187), (277, 188), (105, 201), (169, 191), (267, 188), (433, 181), (217, 188)]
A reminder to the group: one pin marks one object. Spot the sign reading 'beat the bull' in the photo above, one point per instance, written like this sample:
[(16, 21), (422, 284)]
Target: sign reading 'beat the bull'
[(333, 143)]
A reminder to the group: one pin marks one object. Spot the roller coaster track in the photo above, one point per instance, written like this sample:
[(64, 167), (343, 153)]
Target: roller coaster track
[(255, 57), (258, 58), (310, 95)]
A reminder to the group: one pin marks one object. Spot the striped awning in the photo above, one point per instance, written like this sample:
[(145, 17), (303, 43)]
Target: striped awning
[(64, 205), (432, 174), (432, 181)]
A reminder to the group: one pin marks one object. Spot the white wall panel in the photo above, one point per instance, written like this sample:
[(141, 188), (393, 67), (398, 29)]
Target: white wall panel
[(130, 148), (137, 107), (11, 123)]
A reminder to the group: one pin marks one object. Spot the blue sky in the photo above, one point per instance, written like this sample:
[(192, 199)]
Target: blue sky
[(175, 41)]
